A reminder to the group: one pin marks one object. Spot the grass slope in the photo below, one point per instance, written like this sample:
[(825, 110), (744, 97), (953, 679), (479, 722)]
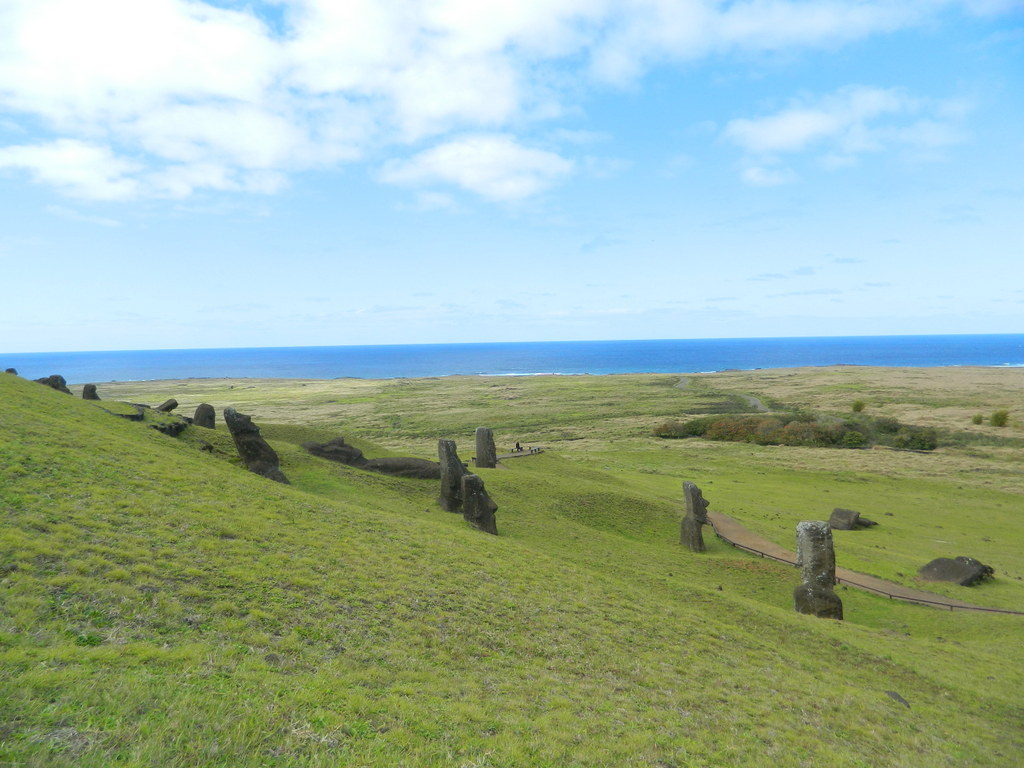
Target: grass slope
[(162, 606)]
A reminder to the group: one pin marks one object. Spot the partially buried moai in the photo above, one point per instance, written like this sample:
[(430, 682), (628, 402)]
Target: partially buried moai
[(817, 560), (477, 506), (486, 452), (690, 531), (254, 451), (452, 470)]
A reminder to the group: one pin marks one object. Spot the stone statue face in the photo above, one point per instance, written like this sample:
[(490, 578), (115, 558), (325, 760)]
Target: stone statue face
[(695, 502)]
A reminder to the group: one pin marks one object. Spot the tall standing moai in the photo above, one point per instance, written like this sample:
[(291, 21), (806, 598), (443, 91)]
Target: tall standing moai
[(486, 453), (817, 560), (477, 506), (254, 451), (452, 470), (690, 530)]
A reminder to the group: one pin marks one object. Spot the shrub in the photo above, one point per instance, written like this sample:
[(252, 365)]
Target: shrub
[(858, 406), (854, 439), (977, 418), (917, 439), (887, 425), (999, 418)]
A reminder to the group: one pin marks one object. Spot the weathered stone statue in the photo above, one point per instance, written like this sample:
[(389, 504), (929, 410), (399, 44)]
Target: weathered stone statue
[(486, 453), (452, 470), (167, 406), (817, 560), (205, 416), (965, 571), (257, 456), (56, 381), (848, 520), (477, 506), (89, 392), (690, 533), (12, 371)]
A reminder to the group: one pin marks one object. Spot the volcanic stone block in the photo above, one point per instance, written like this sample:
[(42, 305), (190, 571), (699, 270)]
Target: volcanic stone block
[(336, 449), (205, 416), (452, 470), (817, 560), (167, 406), (486, 452), (56, 381), (690, 532), (965, 571), (848, 520), (477, 506), (89, 392), (257, 456)]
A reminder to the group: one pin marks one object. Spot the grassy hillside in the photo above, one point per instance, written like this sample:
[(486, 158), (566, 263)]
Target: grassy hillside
[(162, 606)]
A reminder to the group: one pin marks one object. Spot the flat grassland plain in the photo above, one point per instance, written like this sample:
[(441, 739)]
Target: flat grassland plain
[(162, 606)]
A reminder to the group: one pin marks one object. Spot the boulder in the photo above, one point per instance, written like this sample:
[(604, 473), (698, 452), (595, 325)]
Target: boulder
[(89, 392), (965, 571), (486, 452), (477, 506), (56, 381), (848, 520), (11, 370), (172, 429), (257, 456), (205, 416), (817, 560), (167, 406), (452, 470), (337, 450), (690, 533)]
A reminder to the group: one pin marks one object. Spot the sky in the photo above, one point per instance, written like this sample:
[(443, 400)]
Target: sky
[(183, 174)]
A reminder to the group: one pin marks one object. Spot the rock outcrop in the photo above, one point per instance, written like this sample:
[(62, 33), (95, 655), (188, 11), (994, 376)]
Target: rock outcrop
[(477, 506), (965, 571), (691, 529), (205, 416), (257, 456), (486, 452), (89, 392), (848, 520), (56, 381), (452, 470), (817, 560)]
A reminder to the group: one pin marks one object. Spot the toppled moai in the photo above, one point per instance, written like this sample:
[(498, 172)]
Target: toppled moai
[(89, 392), (166, 406), (965, 571), (848, 520), (12, 371), (205, 416), (56, 381), (257, 456), (477, 506), (690, 530), (817, 560), (336, 449), (486, 452), (452, 470)]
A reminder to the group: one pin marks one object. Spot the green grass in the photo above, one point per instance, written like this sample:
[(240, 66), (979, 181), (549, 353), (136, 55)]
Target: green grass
[(162, 606)]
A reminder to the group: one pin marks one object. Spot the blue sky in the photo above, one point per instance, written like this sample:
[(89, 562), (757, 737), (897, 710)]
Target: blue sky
[(183, 174)]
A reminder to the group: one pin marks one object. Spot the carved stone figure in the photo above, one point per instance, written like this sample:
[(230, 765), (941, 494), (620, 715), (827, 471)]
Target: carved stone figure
[(965, 571), (452, 470), (486, 452), (167, 406), (205, 416), (56, 381), (477, 506), (89, 392), (848, 520), (817, 560), (12, 371), (690, 533), (257, 456)]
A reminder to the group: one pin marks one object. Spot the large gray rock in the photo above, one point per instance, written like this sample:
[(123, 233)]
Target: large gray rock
[(452, 470), (205, 416), (486, 452), (817, 560), (691, 529), (965, 571), (11, 371), (89, 392), (56, 381), (257, 456), (848, 520), (477, 506)]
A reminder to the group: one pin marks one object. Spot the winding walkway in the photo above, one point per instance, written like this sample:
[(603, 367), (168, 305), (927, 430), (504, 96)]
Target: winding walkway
[(735, 533)]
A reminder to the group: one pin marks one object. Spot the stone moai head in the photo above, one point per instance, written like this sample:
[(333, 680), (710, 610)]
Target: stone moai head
[(478, 507), (696, 504)]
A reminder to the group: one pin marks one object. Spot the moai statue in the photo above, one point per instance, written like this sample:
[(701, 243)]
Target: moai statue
[(89, 392), (257, 456), (452, 470), (486, 453), (477, 507), (817, 560), (690, 533), (166, 406), (205, 416)]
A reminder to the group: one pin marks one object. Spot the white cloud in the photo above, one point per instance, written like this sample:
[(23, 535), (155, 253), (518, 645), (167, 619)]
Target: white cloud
[(75, 167), (493, 166)]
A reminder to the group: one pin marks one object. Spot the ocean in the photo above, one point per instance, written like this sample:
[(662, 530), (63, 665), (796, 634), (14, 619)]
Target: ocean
[(521, 358)]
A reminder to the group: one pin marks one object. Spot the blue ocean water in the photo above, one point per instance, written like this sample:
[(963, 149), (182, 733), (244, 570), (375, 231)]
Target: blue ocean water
[(521, 358)]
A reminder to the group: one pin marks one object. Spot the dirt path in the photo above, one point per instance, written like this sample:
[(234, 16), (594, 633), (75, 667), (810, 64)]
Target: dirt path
[(738, 535)]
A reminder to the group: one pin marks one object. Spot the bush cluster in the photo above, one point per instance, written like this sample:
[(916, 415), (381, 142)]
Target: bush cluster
[(805, 430)]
